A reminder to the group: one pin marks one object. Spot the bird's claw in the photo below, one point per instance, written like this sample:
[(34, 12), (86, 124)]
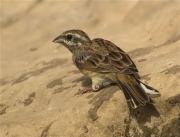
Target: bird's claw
[(84, 90)]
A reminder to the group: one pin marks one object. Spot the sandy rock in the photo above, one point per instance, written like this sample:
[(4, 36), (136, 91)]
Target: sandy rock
[(38, 81)]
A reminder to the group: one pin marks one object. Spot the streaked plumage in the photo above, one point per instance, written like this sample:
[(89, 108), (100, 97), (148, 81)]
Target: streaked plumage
[(105, 63)]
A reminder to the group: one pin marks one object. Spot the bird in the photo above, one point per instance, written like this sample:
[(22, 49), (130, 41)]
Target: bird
[(105, 63)]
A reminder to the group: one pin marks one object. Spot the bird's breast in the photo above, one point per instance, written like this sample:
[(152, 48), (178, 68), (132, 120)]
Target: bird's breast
[(99, 76)]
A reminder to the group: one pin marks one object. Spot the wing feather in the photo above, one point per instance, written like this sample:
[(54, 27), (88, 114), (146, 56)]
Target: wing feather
[(103, 56)]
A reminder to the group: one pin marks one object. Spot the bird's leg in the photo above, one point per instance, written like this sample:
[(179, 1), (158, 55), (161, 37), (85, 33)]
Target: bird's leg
[(84, 90), (95, 87)]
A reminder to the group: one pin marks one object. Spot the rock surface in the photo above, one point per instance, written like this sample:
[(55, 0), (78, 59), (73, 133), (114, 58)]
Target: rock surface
[(38, 80)]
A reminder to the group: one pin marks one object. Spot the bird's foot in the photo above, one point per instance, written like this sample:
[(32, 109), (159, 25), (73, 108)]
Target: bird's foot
[(84, 90)]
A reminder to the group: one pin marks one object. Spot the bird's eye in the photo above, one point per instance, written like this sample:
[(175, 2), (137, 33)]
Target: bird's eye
[(69, 37)]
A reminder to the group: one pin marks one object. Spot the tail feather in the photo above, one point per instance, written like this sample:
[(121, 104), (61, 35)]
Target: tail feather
[(149, 89), (139, 93), (125, 90), (135, 91), (128, 95)]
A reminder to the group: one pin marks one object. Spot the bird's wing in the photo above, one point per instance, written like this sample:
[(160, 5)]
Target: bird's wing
[(103, 56)]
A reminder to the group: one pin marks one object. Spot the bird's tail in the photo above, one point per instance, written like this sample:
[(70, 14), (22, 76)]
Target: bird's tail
[(135, 91)]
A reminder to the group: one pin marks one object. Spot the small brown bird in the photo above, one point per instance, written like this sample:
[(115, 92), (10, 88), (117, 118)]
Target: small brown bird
[(105, 63)]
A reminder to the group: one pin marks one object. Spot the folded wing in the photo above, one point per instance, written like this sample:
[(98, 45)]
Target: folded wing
[(104, 56)]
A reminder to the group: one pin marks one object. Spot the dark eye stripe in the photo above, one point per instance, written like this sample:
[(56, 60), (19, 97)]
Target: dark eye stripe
[(69, 37)]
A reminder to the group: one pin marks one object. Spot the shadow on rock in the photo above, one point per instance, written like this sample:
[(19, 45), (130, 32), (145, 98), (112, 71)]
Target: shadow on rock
[(85, 81), (172, 129), (143, 114), (103, 95)]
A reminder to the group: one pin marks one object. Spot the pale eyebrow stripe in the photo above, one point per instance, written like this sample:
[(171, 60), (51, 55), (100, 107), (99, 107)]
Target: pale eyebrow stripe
[(79, 36), (81, 33)]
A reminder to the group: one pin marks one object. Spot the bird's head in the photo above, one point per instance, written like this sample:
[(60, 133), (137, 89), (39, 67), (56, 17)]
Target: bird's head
[(72, 39)]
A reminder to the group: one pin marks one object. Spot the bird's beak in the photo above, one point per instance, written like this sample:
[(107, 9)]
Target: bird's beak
[(58, 39)]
